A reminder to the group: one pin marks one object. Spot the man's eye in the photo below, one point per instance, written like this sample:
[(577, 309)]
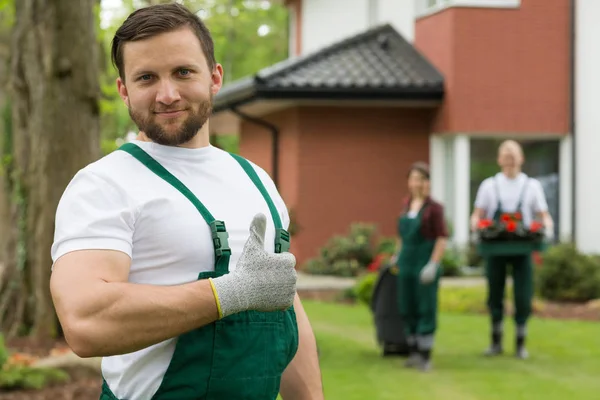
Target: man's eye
[(146, 77), (184, 72)]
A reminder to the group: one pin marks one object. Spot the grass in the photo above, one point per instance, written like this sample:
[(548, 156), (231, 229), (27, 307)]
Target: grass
[(563, 365)]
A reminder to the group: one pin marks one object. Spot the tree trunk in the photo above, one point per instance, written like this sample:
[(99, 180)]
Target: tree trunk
[(6, 16), (55, 114)]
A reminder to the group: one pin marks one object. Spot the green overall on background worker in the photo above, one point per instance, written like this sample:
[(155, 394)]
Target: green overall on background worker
[(171, 256), (510, 191), (422, 237)]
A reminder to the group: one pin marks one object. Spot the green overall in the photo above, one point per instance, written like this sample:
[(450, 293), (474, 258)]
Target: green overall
[(522, 274), (242, 356), (417, 302)]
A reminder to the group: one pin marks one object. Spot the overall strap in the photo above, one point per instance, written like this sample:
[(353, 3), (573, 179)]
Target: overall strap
[(523, 192), (217, 228), (499, 206), (282, 237)]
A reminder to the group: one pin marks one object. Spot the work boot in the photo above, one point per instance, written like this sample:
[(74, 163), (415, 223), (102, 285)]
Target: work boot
[(414, 360), (521, 351), (425, 360), (496, 346), (414, 357)]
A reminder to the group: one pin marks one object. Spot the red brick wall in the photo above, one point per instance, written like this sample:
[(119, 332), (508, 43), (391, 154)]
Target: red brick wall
[(352, 168), (506, 70), (341, 165)]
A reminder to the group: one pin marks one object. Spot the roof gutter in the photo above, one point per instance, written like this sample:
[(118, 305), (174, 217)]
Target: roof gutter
[(274, 137)]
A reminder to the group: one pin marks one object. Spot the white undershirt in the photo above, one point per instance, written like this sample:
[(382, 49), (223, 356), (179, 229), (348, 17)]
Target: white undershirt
[(117, 203), (534, 200)]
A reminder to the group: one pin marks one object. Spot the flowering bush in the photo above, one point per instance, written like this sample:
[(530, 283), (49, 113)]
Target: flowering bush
[(353, 254), (510, 227)]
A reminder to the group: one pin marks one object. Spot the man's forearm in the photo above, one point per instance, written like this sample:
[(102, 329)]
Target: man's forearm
[(302, 378), (123, 317)]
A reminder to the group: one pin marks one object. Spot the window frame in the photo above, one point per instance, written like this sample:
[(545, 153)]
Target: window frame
[(428, 7)]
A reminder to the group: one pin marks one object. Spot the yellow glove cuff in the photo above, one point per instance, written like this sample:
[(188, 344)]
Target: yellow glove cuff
[(214, 289)]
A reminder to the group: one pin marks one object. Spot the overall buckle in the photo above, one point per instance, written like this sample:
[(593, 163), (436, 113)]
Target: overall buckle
[(220, 238), (282, 240)]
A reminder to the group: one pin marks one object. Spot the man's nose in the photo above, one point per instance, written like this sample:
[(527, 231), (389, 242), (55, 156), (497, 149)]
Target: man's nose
[(167, 93)]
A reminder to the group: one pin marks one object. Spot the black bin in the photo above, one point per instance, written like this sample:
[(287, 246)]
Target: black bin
[(384, 306)]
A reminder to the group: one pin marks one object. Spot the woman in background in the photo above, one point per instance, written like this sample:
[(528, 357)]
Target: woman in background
[(421, 245)]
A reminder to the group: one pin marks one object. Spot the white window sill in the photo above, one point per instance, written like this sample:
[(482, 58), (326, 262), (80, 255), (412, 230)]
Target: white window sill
[(470, 4)]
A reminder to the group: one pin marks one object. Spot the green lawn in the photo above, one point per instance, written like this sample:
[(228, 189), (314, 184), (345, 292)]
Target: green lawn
[(564, 363)]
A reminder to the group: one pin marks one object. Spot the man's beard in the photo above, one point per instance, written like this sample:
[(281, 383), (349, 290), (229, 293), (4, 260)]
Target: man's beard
[(188, 130)]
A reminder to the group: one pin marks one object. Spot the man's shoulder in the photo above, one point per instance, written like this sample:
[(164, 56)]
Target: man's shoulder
[(488, 182), (109, 166)]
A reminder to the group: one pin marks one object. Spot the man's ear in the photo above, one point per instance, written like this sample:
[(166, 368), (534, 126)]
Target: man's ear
[(216, 79), (123, 91)]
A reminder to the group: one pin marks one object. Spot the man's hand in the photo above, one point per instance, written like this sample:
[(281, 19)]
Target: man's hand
[(262, 281)]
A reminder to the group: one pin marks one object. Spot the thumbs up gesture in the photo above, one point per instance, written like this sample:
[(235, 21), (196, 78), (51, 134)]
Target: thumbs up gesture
[(261, 281)]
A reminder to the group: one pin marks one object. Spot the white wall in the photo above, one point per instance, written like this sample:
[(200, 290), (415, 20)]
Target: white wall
[(327, 21), (400, 14), (587, 126)]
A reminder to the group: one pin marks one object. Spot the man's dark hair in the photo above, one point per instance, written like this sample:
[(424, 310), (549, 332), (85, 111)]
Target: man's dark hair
[(420, 167), (154, 20)]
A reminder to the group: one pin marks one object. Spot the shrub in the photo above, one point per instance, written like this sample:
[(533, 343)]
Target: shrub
[(451, 263), (473, 258), (16, 373), (364, 287), (387, 245), (568, 275), (345, 255)]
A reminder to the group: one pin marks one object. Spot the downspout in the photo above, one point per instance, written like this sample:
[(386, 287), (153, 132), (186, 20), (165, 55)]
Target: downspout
[(572, 123), (274, 137)]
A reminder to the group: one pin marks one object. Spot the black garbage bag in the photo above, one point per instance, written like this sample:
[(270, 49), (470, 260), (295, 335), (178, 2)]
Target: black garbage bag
[(384, 306)]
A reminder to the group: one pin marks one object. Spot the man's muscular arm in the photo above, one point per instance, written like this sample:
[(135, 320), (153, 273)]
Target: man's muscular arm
[(103, 315)]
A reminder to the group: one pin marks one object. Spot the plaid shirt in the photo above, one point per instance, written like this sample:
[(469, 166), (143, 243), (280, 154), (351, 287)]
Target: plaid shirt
[(433, 223)]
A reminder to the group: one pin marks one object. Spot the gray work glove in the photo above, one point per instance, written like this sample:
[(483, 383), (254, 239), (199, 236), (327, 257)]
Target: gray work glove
[(261, 281), (429, 272)]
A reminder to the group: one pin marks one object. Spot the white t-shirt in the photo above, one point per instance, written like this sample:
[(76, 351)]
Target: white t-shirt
[(117, 203), (534, 200)]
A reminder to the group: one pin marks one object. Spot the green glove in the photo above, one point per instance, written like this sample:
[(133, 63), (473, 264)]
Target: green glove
[(261, 281), (429, 272)]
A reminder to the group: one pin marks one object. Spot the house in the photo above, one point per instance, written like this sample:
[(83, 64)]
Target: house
[(372, 86)]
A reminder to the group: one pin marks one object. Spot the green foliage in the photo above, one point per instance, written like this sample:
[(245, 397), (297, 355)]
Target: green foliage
[(364, 287), (451, 263), (387, 245), (3, 352), (346, 255), (108, 146), (229, 143), (19, 376), (7, 13), (24, 377), (569, 275), (465, 300), (472, 256)]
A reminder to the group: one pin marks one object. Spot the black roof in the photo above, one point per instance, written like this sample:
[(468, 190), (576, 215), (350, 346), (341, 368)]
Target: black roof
[(374, 65)]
